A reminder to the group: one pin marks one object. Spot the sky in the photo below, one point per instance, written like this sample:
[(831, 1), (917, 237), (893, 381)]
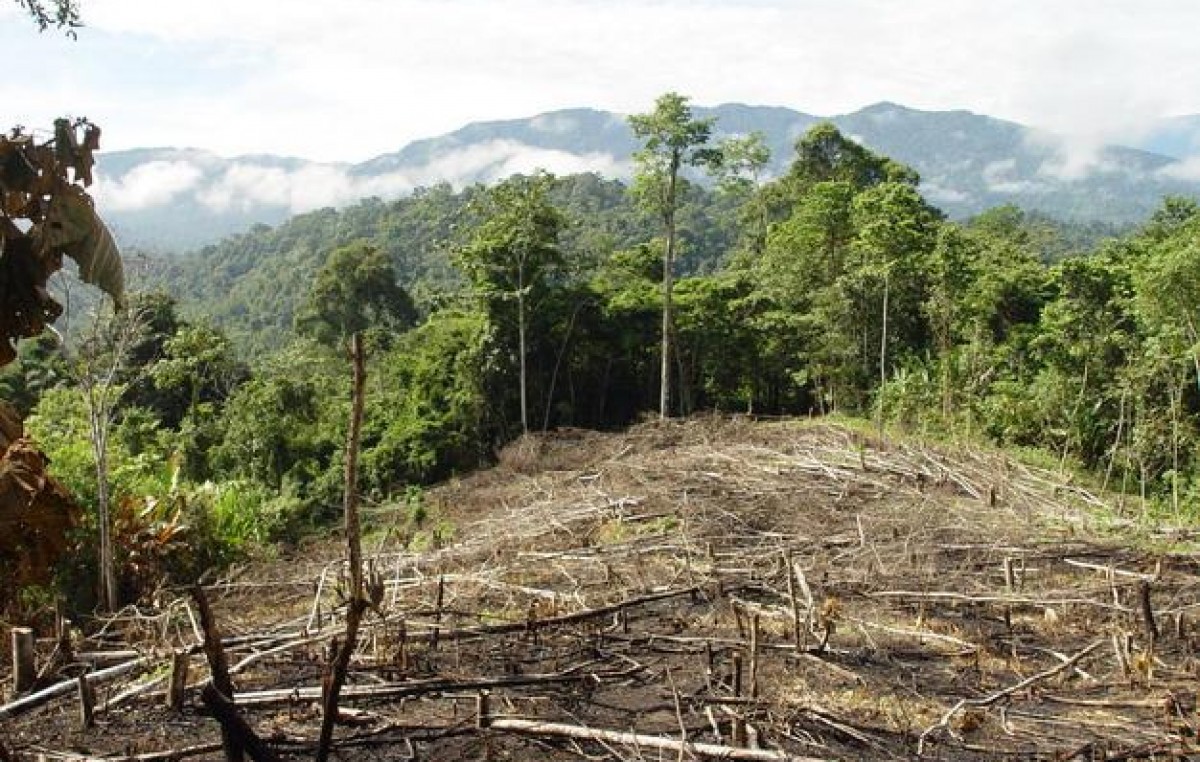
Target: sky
[(345, 80)]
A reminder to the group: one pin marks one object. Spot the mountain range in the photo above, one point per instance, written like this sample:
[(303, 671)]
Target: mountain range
[(171, 199)]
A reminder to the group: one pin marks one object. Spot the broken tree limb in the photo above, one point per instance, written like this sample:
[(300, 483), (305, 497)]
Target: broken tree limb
[(642, 741), (234, 726)]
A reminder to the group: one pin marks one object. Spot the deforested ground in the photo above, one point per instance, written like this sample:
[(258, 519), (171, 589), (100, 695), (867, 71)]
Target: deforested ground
[(710, 588)]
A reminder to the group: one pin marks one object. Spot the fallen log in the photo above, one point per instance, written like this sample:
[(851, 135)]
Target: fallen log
[(578, 616), (412, 688), (643, 741), (167, 755), (99, 677)]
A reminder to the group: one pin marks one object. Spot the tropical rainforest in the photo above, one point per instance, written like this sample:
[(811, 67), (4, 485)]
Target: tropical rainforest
[(702, 287)]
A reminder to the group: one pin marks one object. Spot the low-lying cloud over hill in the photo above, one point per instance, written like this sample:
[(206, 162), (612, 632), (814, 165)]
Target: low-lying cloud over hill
[(171, 199)]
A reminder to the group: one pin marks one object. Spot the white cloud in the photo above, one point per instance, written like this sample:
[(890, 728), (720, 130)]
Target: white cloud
[(362, 77), (246, 185), (155, 183), (556, 124), (1187, 170), (497, 159), (943, 194), (1002, 177)]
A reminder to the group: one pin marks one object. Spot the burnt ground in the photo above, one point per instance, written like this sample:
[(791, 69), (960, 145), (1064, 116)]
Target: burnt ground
[(951, 603)]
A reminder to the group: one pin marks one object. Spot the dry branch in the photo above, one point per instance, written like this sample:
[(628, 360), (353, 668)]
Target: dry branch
[(642, 741), (991, 699)]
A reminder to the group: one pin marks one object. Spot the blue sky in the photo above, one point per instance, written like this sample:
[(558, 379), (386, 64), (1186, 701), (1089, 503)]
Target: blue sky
[(348, 80)]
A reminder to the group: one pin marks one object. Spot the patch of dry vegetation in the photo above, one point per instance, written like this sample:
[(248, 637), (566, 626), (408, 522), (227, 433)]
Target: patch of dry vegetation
[(950, 602)]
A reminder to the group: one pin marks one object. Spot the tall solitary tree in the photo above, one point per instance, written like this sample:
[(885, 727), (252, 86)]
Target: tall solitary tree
[(512, 252), (672, 139), (356, 290)]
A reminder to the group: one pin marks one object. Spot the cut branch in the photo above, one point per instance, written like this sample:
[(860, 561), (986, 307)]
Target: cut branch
[(643, 741)]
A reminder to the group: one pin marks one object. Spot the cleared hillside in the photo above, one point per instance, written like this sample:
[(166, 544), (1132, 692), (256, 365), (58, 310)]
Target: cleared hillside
[(950, 601)]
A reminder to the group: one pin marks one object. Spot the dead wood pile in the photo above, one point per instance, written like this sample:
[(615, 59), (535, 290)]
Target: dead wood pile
[(704, 589)]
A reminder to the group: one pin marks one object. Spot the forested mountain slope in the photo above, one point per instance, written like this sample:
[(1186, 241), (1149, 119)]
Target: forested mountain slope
[(170, 199)]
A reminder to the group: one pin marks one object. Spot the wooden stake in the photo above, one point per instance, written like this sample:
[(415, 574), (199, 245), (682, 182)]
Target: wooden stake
[(437, 611), (1147, 612), (737, 674), (754, 656), (709, 664), (1009, 584), (87, 703), (797, 635), (24, 671), (402, 646), (483, 716), (178, 682)]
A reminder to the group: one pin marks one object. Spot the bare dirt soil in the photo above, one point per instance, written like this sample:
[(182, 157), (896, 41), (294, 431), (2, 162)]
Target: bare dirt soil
[(710, 588)]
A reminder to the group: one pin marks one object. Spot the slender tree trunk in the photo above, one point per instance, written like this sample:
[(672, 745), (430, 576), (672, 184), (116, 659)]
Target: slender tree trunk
[(562, 351), (1176, 408), (350, 500), (1073, 423), (1112, 457), (357, 604), (1194, 337), (883, 339), (523, 350), (664, 398), (98, 420)]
